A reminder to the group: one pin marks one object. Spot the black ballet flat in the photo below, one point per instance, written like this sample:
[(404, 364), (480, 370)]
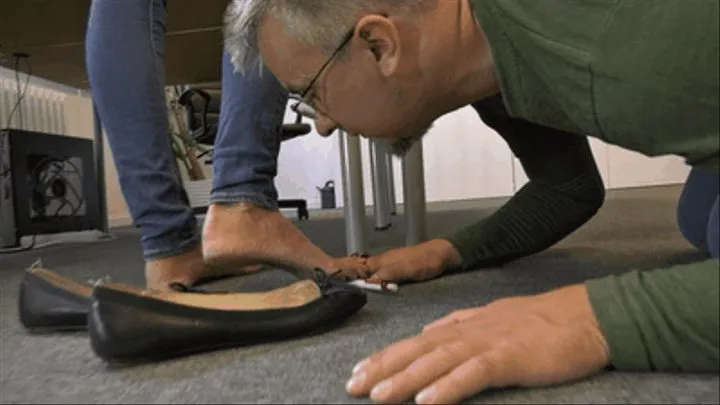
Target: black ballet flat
[(50, 302), (129, 325)]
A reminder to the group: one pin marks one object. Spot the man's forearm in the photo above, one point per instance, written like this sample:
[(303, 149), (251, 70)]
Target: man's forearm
[(564, 192), (533, 220), (663, 320)]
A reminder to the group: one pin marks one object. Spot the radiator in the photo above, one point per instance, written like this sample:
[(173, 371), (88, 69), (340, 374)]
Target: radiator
[(42, 109)]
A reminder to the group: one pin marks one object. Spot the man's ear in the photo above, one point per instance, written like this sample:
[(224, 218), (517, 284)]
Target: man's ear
[(380, 37)]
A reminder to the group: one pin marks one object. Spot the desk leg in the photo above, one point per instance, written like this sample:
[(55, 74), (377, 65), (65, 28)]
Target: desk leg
[(381, 199), (353, 194), (99, 143), (414, 193), (392, 202)]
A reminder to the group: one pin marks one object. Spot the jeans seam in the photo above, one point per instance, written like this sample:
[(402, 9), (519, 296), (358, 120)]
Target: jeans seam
[(159, 72)]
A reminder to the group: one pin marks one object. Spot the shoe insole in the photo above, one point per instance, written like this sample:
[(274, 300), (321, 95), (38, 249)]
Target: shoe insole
[(295, 295), (74, 287)]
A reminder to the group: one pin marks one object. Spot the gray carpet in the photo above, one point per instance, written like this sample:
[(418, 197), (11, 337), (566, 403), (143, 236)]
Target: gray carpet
[(635, 229)]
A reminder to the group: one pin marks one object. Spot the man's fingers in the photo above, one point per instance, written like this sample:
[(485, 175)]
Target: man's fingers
[(421, 373), (471, 377), (382, 365)]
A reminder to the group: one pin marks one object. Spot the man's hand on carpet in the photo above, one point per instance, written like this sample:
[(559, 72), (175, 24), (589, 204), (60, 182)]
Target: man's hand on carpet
[(524, 341), (415, 263)]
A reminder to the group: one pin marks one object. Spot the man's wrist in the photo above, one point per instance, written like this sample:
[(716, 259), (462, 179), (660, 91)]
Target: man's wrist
[(449, 256), (573, 305)]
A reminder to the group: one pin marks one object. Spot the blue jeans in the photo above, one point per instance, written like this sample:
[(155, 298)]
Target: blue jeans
[(125, 63), (698, 211)]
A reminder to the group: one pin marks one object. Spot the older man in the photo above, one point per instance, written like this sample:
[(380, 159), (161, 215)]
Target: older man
[(639, 74)]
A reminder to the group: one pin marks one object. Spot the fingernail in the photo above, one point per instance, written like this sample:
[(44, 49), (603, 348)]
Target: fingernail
[(380, 391), (354, 382), (425, 396), (360, 366)]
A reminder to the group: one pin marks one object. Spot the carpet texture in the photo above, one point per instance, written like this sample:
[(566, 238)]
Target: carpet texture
[(634, 230)]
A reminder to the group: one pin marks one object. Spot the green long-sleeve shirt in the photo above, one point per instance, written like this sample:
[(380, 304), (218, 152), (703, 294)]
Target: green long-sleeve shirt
[(641, 74)]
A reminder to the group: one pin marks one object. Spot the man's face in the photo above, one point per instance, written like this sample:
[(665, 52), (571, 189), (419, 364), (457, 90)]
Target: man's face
[(364, 90)]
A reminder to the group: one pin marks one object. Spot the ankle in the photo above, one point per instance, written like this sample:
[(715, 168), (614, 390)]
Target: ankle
[(226, 222), (242, 208), (183, 268)]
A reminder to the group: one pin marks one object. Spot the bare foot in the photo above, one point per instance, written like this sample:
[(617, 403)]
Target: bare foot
[(186, 268), (243, 234)]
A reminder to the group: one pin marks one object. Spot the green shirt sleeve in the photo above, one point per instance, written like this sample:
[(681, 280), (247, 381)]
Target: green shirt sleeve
[(565, 190), (664, 320)]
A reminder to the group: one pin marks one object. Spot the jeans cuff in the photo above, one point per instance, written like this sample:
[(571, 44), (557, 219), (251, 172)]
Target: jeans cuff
[(258, 200), (163, 249)]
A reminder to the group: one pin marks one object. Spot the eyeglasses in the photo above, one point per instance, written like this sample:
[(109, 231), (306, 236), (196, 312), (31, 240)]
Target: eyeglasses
[(303, 108)]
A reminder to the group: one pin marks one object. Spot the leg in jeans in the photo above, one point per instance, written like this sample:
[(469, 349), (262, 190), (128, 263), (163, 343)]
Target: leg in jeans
[(244, 225), (131, 103), (248, 139), (124, 55), (698, 211)]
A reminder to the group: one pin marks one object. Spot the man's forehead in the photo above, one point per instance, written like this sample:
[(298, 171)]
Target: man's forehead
[(289, 59)]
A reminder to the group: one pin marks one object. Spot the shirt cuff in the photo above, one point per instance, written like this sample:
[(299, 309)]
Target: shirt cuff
[(622, 332)]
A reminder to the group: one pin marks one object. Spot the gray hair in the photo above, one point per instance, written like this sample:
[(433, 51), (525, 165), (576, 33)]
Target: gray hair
[(319, 23)]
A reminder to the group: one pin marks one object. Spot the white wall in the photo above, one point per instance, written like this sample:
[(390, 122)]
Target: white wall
[(307, 162), (630, 169), (463, 159)]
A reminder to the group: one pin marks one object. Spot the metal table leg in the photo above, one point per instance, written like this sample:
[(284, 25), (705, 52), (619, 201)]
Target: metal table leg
[(414, 192), (381, 200), (353, 195), (392, 201), (99, 144)]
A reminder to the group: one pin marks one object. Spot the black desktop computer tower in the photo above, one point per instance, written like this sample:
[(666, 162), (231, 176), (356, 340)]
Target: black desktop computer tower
[(48, 185)]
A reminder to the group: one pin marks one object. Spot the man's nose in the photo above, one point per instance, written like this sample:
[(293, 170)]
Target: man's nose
[(325, 126)]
